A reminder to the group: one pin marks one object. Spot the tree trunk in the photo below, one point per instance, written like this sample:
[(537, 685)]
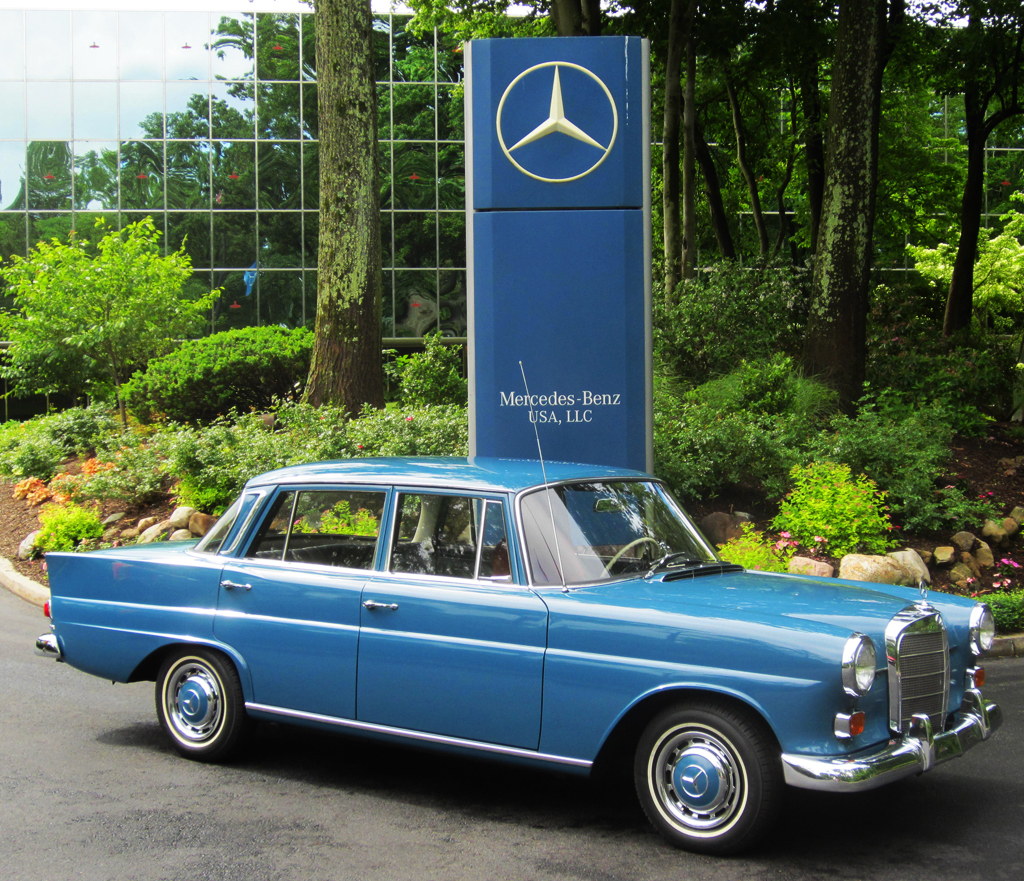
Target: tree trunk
[(689, 267), (744, 167), (835, 347), (346, 363), (713, 192), (576, 18), (814, 146), (670, 159)]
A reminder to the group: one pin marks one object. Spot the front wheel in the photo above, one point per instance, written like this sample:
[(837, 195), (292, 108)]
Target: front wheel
[(200, 704), (708, 777)]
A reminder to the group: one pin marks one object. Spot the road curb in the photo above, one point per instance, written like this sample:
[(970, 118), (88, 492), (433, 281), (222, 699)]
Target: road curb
[(22, 586)]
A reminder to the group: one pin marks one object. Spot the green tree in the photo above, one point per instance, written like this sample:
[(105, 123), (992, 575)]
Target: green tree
[(88, 315)]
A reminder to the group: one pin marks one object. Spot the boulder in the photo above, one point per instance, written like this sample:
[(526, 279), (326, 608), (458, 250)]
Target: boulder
[(880, 570), (27, 549), (965, 541), (181, 535), (132, 532), (156, 532), (146, 522), (972, 564), (200, 523), (179, 519), (807, 566), (720, 527), (1018, 515), (994, 534), (944, 555), (1010, 526), (960, 574), (984, 555), (114, 518), (911, 560)]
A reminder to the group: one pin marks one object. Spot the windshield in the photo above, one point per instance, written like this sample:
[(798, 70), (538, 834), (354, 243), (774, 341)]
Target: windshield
[(212, 541), (599, 531)]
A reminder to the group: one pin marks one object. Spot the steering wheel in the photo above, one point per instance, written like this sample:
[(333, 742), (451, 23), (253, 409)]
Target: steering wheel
[(629, 547)]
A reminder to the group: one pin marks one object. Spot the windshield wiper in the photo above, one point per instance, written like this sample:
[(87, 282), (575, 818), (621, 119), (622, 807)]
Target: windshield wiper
[(673, 560), (687, 567)]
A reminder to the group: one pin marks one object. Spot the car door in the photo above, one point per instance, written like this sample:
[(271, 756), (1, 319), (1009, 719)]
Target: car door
[(290, 605), (449, 644)]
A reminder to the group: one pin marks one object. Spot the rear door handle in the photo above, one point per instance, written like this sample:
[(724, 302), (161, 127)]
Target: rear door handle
[(231, 585), (371, 605)]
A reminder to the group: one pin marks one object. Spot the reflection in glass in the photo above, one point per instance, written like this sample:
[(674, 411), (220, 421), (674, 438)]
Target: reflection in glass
[(45, 227), (388, 303), (188, 174), (413, 113), (96, 176), (281, 299), (12, 118), (232, 308), (280, 167), (234, 174), (140, 39), (277, 46), (193, 230), (311, 175), (449, 59), (49, 111), (234, 240), (142, 174), (451, 178), (451, 302), (188, 110), (280, 239), (415, 239), (381, 47), (278, 112), (416, 306), (311, 237), (450, 114), (48, 45), (387, 238), (94, 45), (141, 110), (413, 56), (12, 59), (451, 244), (49, 175), (12, 177), (232, 44), (310, 111), (384, 111), (95, 110), (13, 240), (413, 181), (187, 45), (233, 110)]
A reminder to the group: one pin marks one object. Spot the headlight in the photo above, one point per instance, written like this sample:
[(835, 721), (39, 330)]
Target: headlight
[(983, 629), (858, 665)]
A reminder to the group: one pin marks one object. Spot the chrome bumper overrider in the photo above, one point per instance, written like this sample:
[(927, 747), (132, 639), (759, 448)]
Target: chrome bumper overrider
[(917, 751), (48, 647)]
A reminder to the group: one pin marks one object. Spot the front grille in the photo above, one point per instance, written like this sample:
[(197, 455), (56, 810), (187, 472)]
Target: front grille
[(918, 654)]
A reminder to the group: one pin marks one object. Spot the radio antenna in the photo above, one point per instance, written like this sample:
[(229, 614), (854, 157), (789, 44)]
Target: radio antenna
[(544, 476)]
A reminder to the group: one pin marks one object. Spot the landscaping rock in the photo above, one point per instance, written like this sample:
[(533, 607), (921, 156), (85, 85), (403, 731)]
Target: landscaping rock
[(114, 518), (1011, 526), (200, 523), (27, 549), (984, 555), (964, 540), (927, 557), (179, 519), (972, 564), (157, 532), (807, 566), (111, 533), (181, 535), (960, 573), (880, 570), (146, 522), (944, 555), (911, 560), (720, 527), (1018, 515), (133, 532), (994, 534)]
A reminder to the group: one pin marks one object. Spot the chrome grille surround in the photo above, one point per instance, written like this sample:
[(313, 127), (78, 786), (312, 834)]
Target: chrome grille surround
[(917, 649)]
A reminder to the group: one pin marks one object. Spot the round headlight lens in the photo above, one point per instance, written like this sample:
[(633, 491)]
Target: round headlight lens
[(983, 629), (859, 661)]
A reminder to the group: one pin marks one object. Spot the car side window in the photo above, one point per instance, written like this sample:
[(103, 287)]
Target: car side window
[(453, 536), (324, 527)]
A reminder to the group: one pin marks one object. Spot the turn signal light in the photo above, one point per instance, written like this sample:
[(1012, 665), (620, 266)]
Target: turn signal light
[(849, 725), (856, 724), (979, 677)]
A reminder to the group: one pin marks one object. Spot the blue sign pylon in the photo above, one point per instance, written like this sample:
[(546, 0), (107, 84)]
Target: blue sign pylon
[(559, 234)]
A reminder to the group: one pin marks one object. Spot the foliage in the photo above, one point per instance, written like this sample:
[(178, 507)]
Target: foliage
[(753, 550), (135, 472), (99, 312), (341, 520), (65, 526), (79, 429), (728, 314), (431, 377), (827, 503), (27, 449), (1008, 610), (418, 431), (245, 369)]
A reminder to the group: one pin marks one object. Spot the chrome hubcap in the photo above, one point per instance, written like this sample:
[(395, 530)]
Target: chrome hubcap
[(698, 779), (194, 705)]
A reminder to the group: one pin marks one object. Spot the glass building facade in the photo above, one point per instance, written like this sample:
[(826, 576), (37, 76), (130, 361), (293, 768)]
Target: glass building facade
[(206, 122)]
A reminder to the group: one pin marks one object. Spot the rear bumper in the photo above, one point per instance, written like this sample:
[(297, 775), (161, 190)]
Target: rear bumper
[(48, 647), (917, 751)]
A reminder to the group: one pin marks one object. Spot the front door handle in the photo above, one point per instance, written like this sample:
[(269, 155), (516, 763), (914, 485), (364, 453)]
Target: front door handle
[(231, 585), (371, 605)]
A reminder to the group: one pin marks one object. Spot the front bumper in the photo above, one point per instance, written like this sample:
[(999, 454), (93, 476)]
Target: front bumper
[(919, 750)]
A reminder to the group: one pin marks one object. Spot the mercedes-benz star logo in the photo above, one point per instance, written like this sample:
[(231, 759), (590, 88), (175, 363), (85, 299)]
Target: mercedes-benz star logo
[(557, 122)]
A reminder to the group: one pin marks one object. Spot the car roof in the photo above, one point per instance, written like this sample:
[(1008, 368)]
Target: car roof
[(479, 473)]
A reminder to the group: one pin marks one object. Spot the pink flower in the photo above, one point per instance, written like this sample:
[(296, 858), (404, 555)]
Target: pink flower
[(408, 418), (821, 539), (784, 534), (359, 446)]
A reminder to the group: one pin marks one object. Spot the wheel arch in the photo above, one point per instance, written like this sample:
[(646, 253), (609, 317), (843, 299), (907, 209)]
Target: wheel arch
[(620, 743), (148, 668)]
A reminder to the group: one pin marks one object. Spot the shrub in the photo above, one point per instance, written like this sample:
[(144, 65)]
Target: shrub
[(80, 429), (133, 473), (827, 506), (27, 449), (753, 550), (63, 527), (244, 369), (729, 313), (1008, 610), (431, 377), (417, 431)]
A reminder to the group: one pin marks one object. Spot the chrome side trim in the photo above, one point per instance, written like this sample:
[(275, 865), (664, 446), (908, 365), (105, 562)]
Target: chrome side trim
[(48, 647), (919, 750), (438, 739)]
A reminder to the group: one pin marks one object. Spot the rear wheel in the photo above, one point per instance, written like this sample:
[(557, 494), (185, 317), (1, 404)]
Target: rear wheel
[(200, 704), (708, 777)]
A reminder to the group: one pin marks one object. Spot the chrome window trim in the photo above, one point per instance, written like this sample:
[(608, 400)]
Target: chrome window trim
[(915, 618)]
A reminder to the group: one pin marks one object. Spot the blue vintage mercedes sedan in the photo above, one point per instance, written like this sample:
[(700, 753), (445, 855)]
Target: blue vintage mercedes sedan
[(567, 616)]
